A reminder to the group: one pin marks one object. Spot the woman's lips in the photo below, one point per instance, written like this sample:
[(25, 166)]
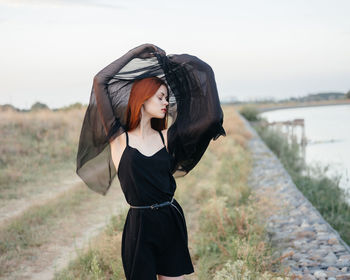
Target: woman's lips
[(164, 110)]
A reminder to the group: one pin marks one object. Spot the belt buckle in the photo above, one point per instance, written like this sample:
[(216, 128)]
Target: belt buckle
[(154, 206)]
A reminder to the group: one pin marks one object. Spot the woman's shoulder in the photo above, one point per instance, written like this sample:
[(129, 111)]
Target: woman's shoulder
[(120, 140)]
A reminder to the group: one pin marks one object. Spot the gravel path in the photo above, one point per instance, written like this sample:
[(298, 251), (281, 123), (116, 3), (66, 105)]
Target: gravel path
[(295, 227)]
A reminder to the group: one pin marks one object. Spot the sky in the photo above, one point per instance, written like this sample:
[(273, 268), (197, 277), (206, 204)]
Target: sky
[(51, 50)]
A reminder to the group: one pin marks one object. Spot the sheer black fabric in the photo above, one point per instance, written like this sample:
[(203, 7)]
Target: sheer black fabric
[(194, 109)]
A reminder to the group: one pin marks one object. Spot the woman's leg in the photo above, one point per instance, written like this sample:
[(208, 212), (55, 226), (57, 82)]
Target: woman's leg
[(162, 277)]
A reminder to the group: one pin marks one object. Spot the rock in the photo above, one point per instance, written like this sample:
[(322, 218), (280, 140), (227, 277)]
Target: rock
[(343, 263), (320, 274), (290, 263), (343, 276), (306, 262), (338, 248), (321, 228), (298, 244), (331, 258), (308, 234), (344, 257), (316, 257), (332, 268), (308, 277), (311, 228), (304, 224), (313, 244), (281, 236), (322, 252), (298, 256), (322, 236), (333, 241), (332, 272), (304, 209)]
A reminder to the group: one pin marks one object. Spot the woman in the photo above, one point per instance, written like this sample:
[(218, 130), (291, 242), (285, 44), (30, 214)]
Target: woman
[(136, 144)]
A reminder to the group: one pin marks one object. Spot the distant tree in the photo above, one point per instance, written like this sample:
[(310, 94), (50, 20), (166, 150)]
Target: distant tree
[(76, 105), (39, 106), (8, 107), (348, 94)]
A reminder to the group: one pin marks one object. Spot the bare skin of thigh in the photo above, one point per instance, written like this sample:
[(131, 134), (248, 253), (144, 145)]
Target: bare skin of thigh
[(162, 277)]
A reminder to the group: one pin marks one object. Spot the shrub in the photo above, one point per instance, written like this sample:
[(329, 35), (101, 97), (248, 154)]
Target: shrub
[(251, 113)]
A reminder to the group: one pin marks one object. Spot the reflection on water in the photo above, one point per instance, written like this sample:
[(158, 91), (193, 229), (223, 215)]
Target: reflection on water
[(328, 136)]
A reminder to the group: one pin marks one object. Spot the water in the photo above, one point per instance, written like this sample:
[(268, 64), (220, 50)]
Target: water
[(328, 135)]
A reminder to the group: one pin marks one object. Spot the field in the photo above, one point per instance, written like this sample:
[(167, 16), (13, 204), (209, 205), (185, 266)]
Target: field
[(52, 225)]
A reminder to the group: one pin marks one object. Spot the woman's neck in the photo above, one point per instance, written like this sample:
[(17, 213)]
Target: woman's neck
[(144, 129)]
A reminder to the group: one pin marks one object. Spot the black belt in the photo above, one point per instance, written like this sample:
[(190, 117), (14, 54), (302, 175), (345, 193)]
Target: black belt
[(154, 206)]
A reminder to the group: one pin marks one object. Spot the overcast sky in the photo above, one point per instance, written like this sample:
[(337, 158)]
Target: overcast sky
[(51, 50)]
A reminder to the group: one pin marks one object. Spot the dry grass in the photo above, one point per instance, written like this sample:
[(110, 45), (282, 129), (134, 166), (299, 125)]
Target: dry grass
[(22, 237), (102, 258), (35, 143), (229, 225), (234, 127)]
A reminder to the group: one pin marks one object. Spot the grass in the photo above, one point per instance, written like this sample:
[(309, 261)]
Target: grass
[(101, 259), (34, 144), (226, 233), (231, 238), (251, 113), (20, 237), (323, 192)]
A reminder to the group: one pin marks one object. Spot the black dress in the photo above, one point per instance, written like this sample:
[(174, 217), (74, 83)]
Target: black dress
[(154, 241)]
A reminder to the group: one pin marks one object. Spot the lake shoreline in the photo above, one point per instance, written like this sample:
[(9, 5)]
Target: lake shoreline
[(290, 105), (310, 246)]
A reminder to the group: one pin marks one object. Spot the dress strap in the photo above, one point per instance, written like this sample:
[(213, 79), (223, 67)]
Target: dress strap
[(127, 138), (161, 135)]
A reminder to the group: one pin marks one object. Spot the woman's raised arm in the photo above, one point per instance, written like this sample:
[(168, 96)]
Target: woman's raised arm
[(100, 84), (102, 78)]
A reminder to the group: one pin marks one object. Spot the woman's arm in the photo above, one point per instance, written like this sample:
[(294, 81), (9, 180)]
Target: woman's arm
[(100, 84), (102, 78)]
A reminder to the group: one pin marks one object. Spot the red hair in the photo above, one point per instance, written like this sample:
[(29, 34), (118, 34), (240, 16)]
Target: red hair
[(142, 90)]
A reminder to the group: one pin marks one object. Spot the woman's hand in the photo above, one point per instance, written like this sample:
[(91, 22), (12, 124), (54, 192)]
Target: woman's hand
[(146, 51)]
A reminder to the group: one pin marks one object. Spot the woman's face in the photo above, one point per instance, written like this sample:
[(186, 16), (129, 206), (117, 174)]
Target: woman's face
[(156, 105)]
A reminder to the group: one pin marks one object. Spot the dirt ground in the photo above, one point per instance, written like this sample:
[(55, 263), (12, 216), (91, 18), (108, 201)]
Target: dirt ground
[(71, 233)]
